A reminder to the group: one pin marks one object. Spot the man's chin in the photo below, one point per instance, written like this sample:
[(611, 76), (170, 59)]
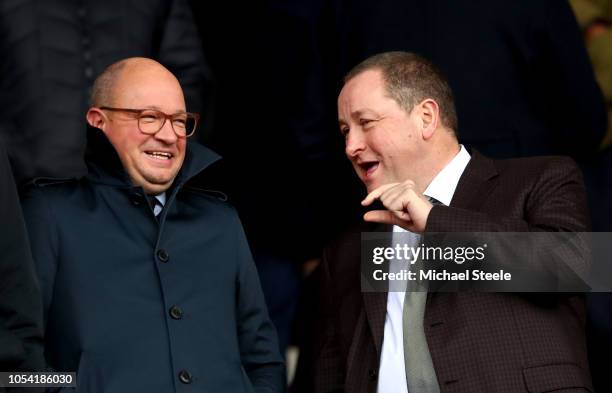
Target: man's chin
[(156, 184), (371, 186), (156, 188), (374, 184)]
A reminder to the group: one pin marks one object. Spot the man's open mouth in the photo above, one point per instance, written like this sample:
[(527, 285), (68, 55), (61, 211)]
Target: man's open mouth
[(159, 155), (369, 167)]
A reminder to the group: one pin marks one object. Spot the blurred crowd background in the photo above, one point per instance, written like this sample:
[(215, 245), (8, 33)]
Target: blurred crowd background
[(529, 77)]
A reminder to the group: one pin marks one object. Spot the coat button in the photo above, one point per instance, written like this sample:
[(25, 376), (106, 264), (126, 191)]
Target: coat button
[(372, 373), (176, 313), (162, 255), (184, 376), (135, 199)]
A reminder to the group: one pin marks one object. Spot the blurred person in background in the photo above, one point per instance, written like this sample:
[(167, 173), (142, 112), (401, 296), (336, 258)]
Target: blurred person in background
[(268, 124), (523, 62), (21, 330), (595, 19), (53, 50)]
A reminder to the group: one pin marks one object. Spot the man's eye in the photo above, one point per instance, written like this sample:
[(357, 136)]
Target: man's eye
[(364, 122), (180, 122), (344, 131), (148, 118)]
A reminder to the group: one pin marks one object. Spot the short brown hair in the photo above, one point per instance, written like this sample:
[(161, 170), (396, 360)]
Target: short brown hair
[(409, 79)]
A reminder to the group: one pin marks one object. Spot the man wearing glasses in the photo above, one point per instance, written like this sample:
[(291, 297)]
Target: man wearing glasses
[(147, 280)]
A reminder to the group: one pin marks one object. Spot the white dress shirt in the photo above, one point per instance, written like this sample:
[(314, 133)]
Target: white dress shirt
[(392, 371)]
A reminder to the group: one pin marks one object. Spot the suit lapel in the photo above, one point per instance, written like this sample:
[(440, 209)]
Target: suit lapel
[(476, 183), (375, 303)]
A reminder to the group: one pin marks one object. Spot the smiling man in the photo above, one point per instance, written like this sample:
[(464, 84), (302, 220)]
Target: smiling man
[(397, 115), (147, 280)]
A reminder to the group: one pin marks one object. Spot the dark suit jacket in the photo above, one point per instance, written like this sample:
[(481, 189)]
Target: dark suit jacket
[(479, 342)]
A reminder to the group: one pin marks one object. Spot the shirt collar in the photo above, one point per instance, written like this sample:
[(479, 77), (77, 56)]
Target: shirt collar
[(443, 186)]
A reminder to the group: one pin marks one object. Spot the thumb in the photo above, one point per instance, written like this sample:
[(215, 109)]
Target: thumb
[(388, 217)]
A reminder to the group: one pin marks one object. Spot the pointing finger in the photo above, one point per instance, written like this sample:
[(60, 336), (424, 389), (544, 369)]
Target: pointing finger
[(377, 193)]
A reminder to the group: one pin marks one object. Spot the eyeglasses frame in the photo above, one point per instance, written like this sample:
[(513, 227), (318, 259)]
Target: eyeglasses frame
[(138, 112)]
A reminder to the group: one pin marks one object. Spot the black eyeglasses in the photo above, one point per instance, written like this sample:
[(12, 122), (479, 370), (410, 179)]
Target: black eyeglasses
[(150, 121)]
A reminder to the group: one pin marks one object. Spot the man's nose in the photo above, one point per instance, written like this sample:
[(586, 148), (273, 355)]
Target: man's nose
[(354, 144), (166, 133)]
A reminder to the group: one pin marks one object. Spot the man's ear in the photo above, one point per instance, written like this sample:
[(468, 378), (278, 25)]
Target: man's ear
[(96, 118), (430, 117)]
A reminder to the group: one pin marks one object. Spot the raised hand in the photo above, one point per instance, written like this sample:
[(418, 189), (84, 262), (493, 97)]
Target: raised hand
[(406, 206)]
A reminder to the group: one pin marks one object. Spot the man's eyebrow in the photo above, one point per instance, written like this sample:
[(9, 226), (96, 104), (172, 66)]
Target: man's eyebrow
[(363, 112), (358, 113), (157, 108)]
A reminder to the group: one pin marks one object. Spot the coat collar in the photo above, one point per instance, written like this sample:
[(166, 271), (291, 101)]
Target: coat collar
[(105, 166), (474, 186)]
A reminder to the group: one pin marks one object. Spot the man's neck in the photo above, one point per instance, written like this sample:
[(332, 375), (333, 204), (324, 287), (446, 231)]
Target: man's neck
[(438, 161)]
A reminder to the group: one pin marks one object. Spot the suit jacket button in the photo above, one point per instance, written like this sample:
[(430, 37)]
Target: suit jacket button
[(162, 255), (185, 376), (176, 313), (373, 374)]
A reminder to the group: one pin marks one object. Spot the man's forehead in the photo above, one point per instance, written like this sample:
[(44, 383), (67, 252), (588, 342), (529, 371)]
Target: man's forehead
[(363, 87), (367, 79), (146, 72), (362, 97), (146, 80), (147, 90)]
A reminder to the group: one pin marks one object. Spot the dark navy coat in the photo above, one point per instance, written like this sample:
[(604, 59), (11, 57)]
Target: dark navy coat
[(20, 305), (135, 303)]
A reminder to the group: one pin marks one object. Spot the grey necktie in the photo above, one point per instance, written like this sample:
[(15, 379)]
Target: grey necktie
[(156, 204), (420, 373)]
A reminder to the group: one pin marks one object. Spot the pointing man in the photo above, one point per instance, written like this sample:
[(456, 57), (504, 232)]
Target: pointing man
[(397, 115)]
